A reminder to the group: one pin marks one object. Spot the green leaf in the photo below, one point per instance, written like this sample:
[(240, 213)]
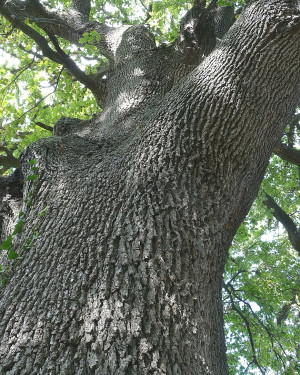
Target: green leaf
[(6, 245), (18, 227), (12, 255), (32, 177)]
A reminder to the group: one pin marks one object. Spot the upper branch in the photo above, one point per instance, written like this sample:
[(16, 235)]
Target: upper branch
[(201, 27), (50, 26), (285, 220), (287, 153), (69, 24), (82, 6), (229, 289)]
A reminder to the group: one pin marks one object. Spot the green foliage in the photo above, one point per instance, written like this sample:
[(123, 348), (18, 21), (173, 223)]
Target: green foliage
[(36, 90), (262, 276)]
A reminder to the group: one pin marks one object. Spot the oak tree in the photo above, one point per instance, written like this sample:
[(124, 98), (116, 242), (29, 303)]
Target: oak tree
[(115, 230)]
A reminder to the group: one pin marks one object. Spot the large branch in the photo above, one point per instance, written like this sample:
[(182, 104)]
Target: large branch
[(201, 28), (285, 220), (58, 55), (287, 153), (69, 24)]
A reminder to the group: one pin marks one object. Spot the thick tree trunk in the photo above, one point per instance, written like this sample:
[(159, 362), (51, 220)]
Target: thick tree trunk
[(126, 271)]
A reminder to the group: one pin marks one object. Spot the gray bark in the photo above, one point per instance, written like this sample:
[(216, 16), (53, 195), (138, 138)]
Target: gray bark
[(11, 200), (126, 272)]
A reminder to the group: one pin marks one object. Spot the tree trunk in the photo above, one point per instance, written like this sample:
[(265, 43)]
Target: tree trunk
[(125, 273)]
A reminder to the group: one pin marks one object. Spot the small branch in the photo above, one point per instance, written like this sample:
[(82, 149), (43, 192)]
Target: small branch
[(69, 64), (45, 97), (44, 126), (15, 78), (29, 51), (247, 324), (260, 322), (236, 275), (22, 135), (144, 5)]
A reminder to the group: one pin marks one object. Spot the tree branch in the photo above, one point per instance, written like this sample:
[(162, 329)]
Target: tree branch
[(233, 293), (69, 64), (201, 27), (38, 38), (247, 324), (283, 313), (285, 220), (44, 126), (288, 153), (82, 6), (70, 24)]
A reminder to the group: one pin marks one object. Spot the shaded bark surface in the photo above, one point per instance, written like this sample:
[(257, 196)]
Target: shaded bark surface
[(126, 272)]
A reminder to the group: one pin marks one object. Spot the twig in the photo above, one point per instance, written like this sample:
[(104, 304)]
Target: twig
[(245, 320)]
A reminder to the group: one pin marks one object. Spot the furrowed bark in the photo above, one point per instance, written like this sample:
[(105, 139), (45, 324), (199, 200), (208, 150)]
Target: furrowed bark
[(200, 30), (125, 275)]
